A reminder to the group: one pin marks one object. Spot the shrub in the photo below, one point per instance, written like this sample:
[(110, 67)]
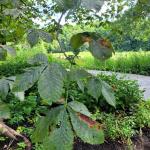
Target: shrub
[(127, 95)]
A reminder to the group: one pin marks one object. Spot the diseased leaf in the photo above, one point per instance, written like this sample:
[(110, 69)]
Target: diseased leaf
[(4, 88), (101, 49), (79, 107), (4, 111), (33, 37), (25, 81), (85, 128), (94, 87), (50, 85), (108, 93), (38, 59)]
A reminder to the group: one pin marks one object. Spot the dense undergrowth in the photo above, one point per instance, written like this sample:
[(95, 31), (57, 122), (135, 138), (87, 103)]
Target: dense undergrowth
[(120, 123)]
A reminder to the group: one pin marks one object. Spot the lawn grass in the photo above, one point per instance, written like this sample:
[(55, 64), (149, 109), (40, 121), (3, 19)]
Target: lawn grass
[(127, 62)]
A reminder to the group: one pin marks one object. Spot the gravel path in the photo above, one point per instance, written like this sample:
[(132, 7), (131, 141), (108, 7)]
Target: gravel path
[(143, 81)]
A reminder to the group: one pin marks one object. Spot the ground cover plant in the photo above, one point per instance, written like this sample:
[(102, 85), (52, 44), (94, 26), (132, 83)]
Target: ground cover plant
[(37, 100)]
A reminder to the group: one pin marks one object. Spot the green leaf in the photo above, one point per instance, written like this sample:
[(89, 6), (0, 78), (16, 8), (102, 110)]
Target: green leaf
[(50, 85), (94, 88), (61, 138), (101, 49), (108, 93), (54, 130), (78, 74), (79, 39), (4, 111), (4, 88), (45, 36), (33, 37), (76, 41), (44, 124), (80, 107), (25, 81), (38, 59), (87, 129), (81, 85)]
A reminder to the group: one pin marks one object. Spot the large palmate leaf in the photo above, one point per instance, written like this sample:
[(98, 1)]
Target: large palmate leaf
[(25, 81), (101, 49), (4, 111), (80, 107), (4, 88), (85, 128), (108, 93), (38, 59), (50, 85), (54, 131), (94, 87)]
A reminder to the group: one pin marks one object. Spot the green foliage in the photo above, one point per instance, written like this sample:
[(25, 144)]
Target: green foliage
[(34, 35), (117, 127), (52, 78), (142, 116), (57, 127), (126, 93), (100, 48), (94, 88), (57, 122)]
